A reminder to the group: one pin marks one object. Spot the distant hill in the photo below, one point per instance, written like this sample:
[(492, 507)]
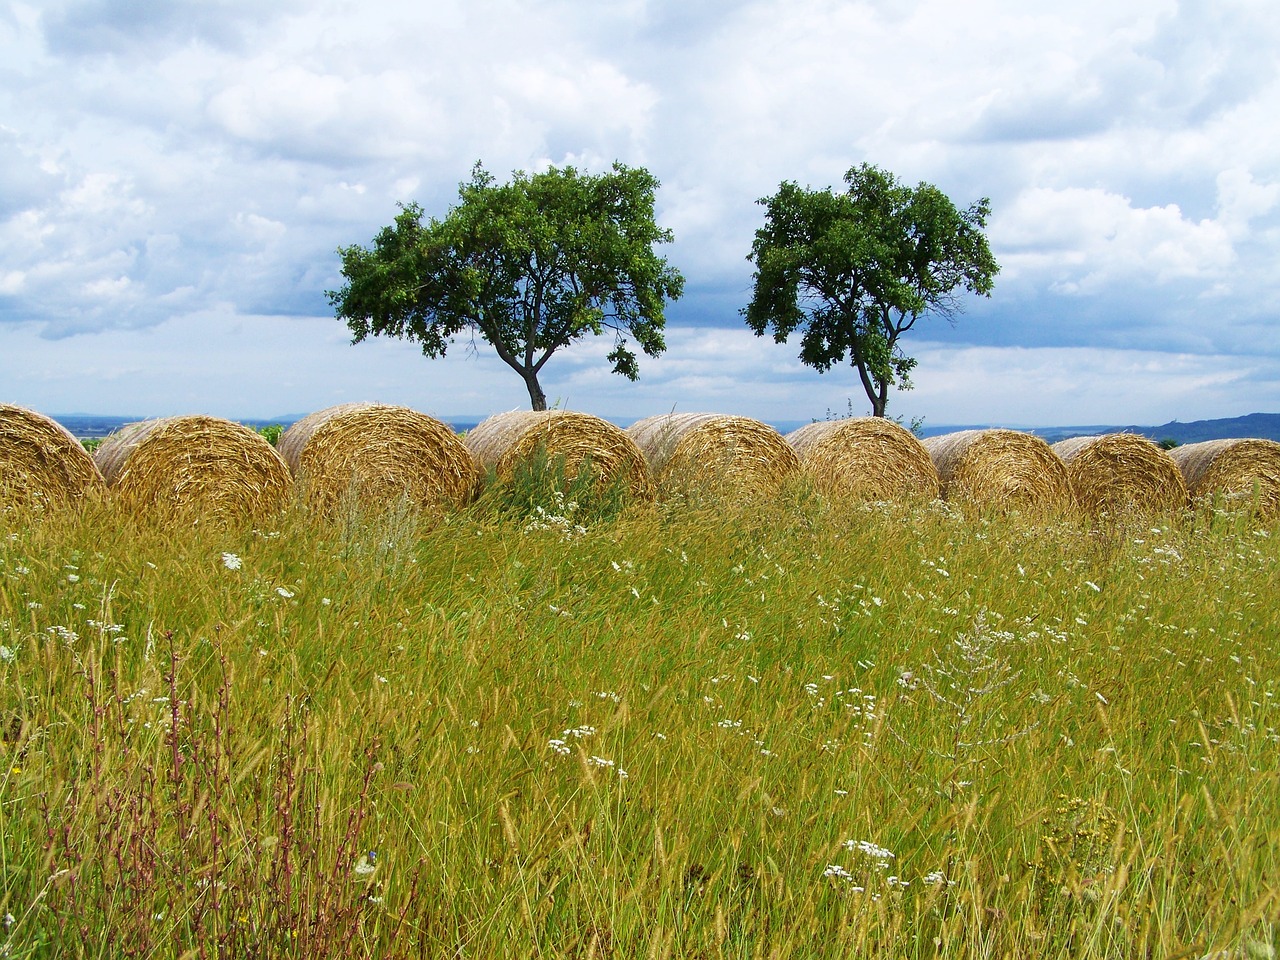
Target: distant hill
[(1264, 426), (88, 425)]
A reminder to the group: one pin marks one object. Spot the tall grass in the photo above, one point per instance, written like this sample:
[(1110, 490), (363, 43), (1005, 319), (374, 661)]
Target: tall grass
[(783, 731)]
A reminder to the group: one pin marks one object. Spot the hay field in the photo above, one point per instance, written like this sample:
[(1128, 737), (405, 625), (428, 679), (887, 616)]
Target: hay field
[(194, 470), (42, 466), (796, 732), (378, 455), (711, 454)]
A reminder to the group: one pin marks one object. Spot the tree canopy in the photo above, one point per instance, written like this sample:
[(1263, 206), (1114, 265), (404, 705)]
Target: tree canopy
[(855, 270), (530, 266)]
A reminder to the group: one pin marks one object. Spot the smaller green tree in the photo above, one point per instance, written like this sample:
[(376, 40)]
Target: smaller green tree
[(530, 266), (856, 270)]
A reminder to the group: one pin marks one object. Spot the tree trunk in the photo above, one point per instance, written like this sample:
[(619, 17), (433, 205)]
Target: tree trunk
[(877, 392), (536, 397), (880, 400)]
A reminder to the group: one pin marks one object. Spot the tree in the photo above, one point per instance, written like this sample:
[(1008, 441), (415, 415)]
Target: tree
[(856, 270), (530, 266)]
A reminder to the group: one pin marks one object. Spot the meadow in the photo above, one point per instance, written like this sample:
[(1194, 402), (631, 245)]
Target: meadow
[(699, 730)]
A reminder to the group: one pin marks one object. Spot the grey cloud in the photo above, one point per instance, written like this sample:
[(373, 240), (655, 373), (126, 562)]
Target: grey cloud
[(1019, 118), (1108, 87), (23, 182), (133, 27), (1213, 56)]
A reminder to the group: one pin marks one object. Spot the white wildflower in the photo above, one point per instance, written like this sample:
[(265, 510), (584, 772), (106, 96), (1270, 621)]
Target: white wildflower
[(231, 561), (870, 849)]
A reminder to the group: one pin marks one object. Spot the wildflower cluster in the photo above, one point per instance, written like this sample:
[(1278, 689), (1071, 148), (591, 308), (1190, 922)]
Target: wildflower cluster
[(873, 862), (1077, 849), (561, 518)]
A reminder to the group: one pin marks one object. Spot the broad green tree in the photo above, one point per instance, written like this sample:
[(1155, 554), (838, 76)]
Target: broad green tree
[(854, 270), (529, 266)]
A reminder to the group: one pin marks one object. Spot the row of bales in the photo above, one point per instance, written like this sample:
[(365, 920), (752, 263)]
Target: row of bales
[(205, 468)]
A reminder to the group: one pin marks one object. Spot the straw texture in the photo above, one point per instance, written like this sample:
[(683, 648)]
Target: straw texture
[(198, 469), (1245, 472), (866, 458), (507, 440), (1120, 473), (376, 456), (41, 463), (710, 452), (999, 469)]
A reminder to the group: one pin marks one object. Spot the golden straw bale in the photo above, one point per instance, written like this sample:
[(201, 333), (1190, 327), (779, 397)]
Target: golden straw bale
[(1122, 473), (1245, 472), (710, 452), (377, 455), (197, 469), (1000, 469), (866, 458), (41, 463), (509, 440)]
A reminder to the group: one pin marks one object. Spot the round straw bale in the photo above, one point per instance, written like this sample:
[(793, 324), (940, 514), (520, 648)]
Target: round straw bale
[(1121, 473), (865, 458), (999, 469), (376, 455), (41, 463), (708, 452), (201, 469), (509, 440), (1241, 471)]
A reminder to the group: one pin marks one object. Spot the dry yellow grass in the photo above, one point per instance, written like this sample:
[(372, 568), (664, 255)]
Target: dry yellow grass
[(709, 452), (195, 469), (1000, 469), (1240, 471), (1122, 473), (866, 458), (505, 441), (41, 463), (375, 456)]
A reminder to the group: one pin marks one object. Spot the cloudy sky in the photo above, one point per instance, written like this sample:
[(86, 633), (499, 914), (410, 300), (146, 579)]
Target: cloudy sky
[(176, 175)]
